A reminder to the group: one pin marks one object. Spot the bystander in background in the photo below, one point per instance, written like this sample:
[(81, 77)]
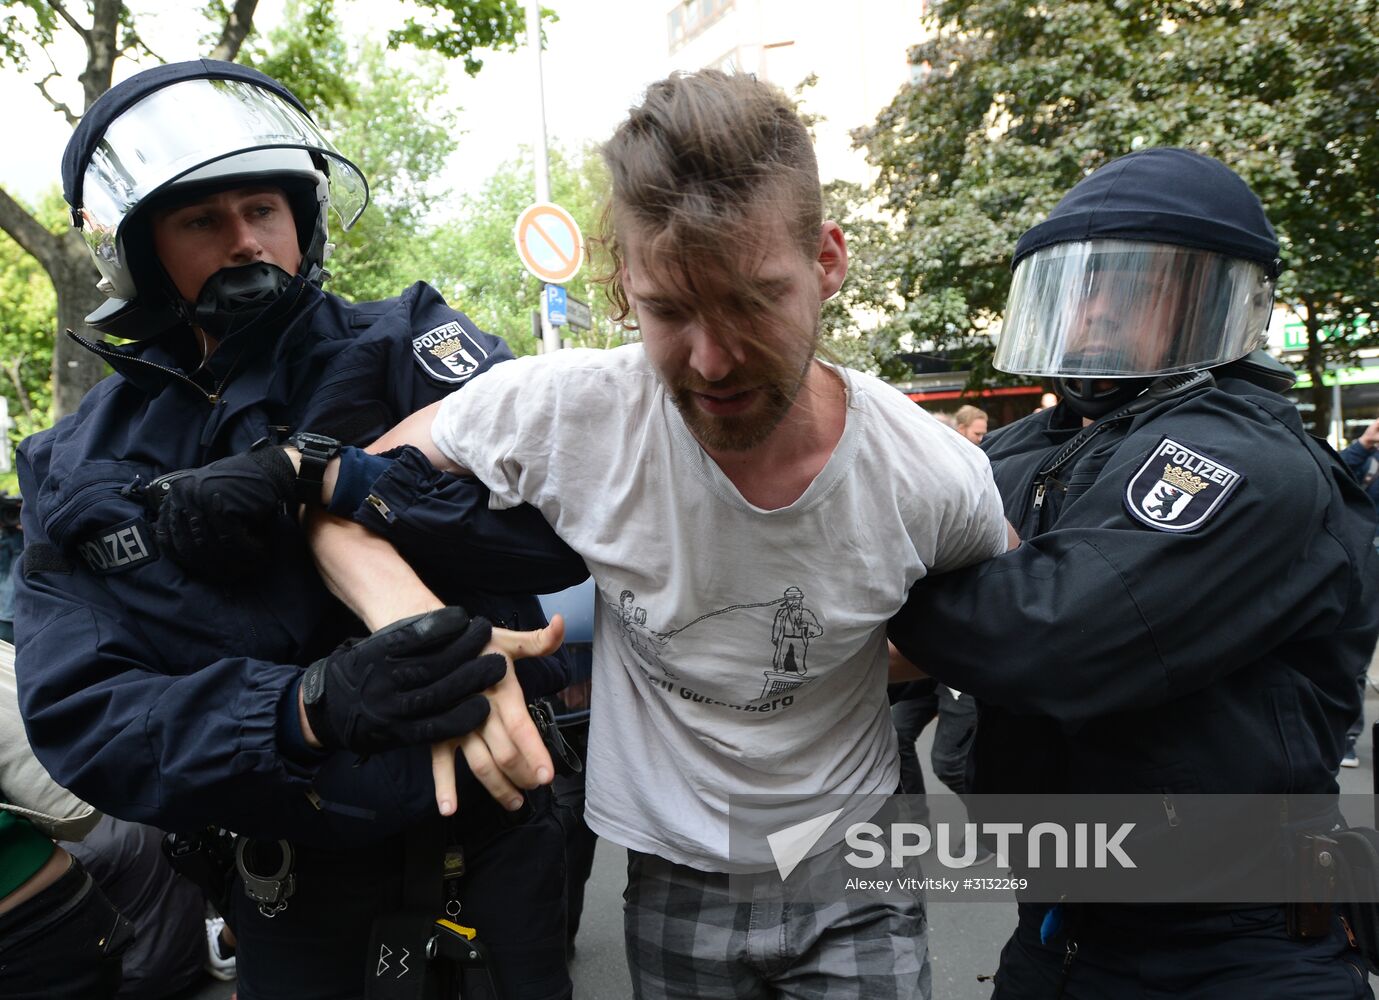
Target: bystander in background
[(971, 423), (1361, 456)]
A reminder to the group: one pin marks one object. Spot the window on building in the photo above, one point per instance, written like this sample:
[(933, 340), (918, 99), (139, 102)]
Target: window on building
[(690, 17), (729, 62)]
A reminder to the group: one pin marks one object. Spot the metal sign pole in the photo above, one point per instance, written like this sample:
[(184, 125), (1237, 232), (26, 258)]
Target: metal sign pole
[(550, 336)]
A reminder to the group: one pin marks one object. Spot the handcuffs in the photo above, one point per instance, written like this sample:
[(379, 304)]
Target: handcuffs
[(270, 891)]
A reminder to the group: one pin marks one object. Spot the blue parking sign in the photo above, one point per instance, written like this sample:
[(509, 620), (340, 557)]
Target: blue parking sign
[(555, 305)]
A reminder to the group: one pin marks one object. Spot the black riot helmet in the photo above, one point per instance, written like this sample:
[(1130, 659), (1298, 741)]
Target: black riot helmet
[(176, 132), (1162, 261)]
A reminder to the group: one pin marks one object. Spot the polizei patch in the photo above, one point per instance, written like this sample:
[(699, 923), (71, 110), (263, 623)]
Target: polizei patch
[(448, 353), (1177, 488), (119, 548)]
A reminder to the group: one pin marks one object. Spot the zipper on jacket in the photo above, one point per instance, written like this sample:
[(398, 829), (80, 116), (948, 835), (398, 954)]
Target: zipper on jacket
[(108, 355), (213, 397), (377, 503), (89, 495)]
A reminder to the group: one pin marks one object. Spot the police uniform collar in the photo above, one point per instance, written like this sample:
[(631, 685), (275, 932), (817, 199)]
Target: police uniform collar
[(173, 355)]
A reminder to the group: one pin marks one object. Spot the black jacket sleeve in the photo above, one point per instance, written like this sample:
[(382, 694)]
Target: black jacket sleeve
[(1105, 613), (441, 524), (443, 527), (158, 698)]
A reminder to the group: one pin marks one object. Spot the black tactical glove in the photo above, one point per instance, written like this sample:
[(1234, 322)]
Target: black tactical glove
[(211, 520), (413, 682)]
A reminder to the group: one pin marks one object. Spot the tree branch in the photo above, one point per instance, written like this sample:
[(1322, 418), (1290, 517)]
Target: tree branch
[(102, 49), (71, 21), (133, 40), (42, 86), (12, 370), (237, 27), (25, 230)]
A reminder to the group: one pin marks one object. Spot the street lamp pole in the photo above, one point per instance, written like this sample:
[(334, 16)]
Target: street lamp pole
[(550, 336)]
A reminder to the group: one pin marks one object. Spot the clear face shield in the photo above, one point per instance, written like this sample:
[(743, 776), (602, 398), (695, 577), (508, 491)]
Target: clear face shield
[(183, 127), (1119, 309)]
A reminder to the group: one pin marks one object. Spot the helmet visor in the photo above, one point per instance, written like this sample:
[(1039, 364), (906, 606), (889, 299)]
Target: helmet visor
[(1108, 308), (184, 126)]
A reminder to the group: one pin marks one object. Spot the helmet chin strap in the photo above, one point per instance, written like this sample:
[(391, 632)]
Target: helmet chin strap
[(1093, 398)]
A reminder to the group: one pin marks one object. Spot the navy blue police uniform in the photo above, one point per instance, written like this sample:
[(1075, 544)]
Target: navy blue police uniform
[(1132, 650), (170, 699), (1194, 592)]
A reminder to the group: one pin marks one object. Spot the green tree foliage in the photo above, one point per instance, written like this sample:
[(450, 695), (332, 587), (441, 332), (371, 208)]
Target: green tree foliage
[(391, 121), (867, 294), (1023, 100), (455, 28), (26, 331), (401, 133), (475, 261)]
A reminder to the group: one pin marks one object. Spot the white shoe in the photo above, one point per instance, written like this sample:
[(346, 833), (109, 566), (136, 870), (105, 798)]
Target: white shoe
[(218, 963)]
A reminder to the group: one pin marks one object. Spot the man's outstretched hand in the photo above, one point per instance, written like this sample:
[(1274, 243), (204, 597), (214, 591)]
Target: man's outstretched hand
[(506, 753)]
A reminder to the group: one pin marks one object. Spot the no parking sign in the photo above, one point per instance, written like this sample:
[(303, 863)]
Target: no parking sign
[(549, 243)]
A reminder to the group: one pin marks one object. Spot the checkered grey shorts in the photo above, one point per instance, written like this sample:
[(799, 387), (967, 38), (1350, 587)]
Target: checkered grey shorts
[(687, 938)]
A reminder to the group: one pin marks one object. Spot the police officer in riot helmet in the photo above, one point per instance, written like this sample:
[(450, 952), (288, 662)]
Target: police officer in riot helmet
[(1149, 291), (233, 692), (1195, 587)]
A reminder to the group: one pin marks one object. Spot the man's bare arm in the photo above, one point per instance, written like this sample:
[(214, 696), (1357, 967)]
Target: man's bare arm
[(416, 431), (366, 572), (506, 753)]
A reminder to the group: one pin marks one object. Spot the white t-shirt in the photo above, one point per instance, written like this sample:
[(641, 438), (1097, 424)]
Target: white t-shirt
[(737, 650)]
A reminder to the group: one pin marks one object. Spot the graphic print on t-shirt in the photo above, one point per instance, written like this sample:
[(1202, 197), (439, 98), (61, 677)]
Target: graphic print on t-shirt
[(792, 627)]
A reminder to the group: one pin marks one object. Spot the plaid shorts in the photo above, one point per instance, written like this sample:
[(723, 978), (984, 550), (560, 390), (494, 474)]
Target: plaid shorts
[(687, 938)]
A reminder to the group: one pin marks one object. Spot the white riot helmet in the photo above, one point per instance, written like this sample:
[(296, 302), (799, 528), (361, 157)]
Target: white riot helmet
[(178, 131)]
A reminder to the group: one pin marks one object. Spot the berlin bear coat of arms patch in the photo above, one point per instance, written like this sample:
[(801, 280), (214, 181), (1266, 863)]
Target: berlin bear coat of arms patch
[(1178, 488)]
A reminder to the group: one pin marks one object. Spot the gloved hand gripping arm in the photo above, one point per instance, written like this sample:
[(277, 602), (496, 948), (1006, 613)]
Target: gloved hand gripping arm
[(418, 680), (505, 752)]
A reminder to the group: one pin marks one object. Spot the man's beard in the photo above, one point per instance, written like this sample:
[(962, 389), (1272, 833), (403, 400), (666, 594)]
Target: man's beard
[(776, 382)]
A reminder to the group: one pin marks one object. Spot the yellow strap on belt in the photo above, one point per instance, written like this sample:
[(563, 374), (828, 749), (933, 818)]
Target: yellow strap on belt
[(468, 933)]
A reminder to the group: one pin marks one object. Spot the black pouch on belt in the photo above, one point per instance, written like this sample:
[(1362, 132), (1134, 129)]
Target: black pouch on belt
[(398, 969), (207, 859), (414, 956), (1357, 852), (1312, 880), (565, 758), (422, 951)]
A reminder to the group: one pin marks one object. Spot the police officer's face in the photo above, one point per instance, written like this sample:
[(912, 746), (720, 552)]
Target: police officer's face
[(194, 240), (732, 372), (1127, 320)]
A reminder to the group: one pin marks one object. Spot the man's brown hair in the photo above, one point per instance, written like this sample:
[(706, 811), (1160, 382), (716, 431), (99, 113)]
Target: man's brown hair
[(694, 168)]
